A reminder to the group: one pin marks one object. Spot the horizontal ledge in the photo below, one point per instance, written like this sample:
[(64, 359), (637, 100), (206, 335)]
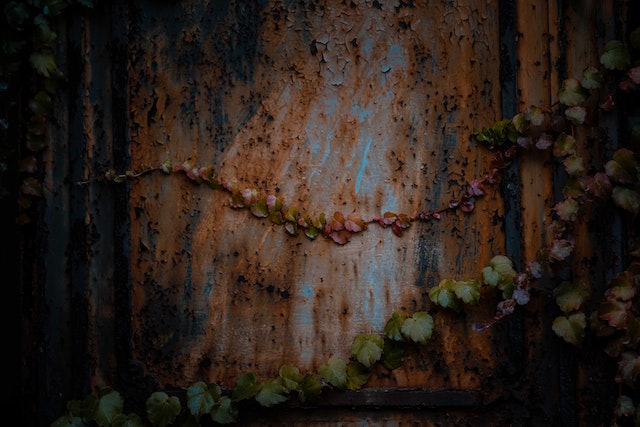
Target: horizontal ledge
[(394, 398)]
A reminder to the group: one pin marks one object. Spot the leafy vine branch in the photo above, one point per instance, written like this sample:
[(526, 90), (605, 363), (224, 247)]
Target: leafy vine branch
[(616, 321)]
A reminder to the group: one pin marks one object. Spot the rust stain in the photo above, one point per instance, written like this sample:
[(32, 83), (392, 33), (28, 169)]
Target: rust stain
[(360, 107)]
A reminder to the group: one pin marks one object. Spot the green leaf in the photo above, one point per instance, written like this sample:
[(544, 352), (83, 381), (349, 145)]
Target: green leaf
[(357, 375), (291, 215), (131, 420), (225, 411), (310, 388), (41, 103), (572, 93), (260, 209), (443, 296), (418, 327), (467, 290), (392, 354), (162, 410), (202, 397), (615, 56), (367, 348), (565, 145), (576, 114), (291, 377), (16, 13), (393, 326), (626, 198), (499, 273), (623, 167), (570, 296), (44, 63), (68, 421), (570, 328), (335, 372), (108, 405), (593, 79), (573, 165), (246, 387), (273, 392)]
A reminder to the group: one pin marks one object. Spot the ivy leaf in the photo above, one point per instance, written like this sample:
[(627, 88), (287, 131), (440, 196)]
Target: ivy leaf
[(624, 406), (560, 249), (570, 328), (499, 272), (41, 103), (291, 228), (565, 145), (535, 115), (576, 114), (354, 223), (615, 56), (44, 63), (567, 210), (392, 354), (622, 287), (367, 348), (16, 13), (310, 388), (31, 187), (392, 329), (246, 387), (628, 368), (109, 403), (335, 372), (260, 209), (599, 185), (622, 167), (357, 375), (273, 392), (572, 93), (544, 141), (202, 397), (627, 199), (592, 78), (291, 377), (467, 290), (418, 327), (162, 410), (570, 296), (225, 411), (121, 420), (614, 312), (68, 421), (444, 296)]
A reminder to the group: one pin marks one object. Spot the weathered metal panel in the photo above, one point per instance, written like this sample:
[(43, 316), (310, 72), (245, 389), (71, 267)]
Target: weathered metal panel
[(362, 106)]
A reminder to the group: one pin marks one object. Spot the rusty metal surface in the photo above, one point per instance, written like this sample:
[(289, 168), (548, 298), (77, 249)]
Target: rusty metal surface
[(365, 106), (360, 106)]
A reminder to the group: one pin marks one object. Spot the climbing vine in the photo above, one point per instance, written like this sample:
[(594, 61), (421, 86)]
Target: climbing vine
[(616, 321)]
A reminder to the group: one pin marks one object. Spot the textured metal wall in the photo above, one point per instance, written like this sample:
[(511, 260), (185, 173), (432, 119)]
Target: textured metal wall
[(359, 106)]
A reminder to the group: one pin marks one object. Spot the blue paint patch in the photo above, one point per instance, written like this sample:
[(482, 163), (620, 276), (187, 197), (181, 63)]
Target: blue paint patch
[(307, 291), (363, 165)]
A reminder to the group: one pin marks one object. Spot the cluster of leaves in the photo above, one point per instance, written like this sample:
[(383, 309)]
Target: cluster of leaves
[(106, 407), (28, 48), (339, 227), (580, 103)]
